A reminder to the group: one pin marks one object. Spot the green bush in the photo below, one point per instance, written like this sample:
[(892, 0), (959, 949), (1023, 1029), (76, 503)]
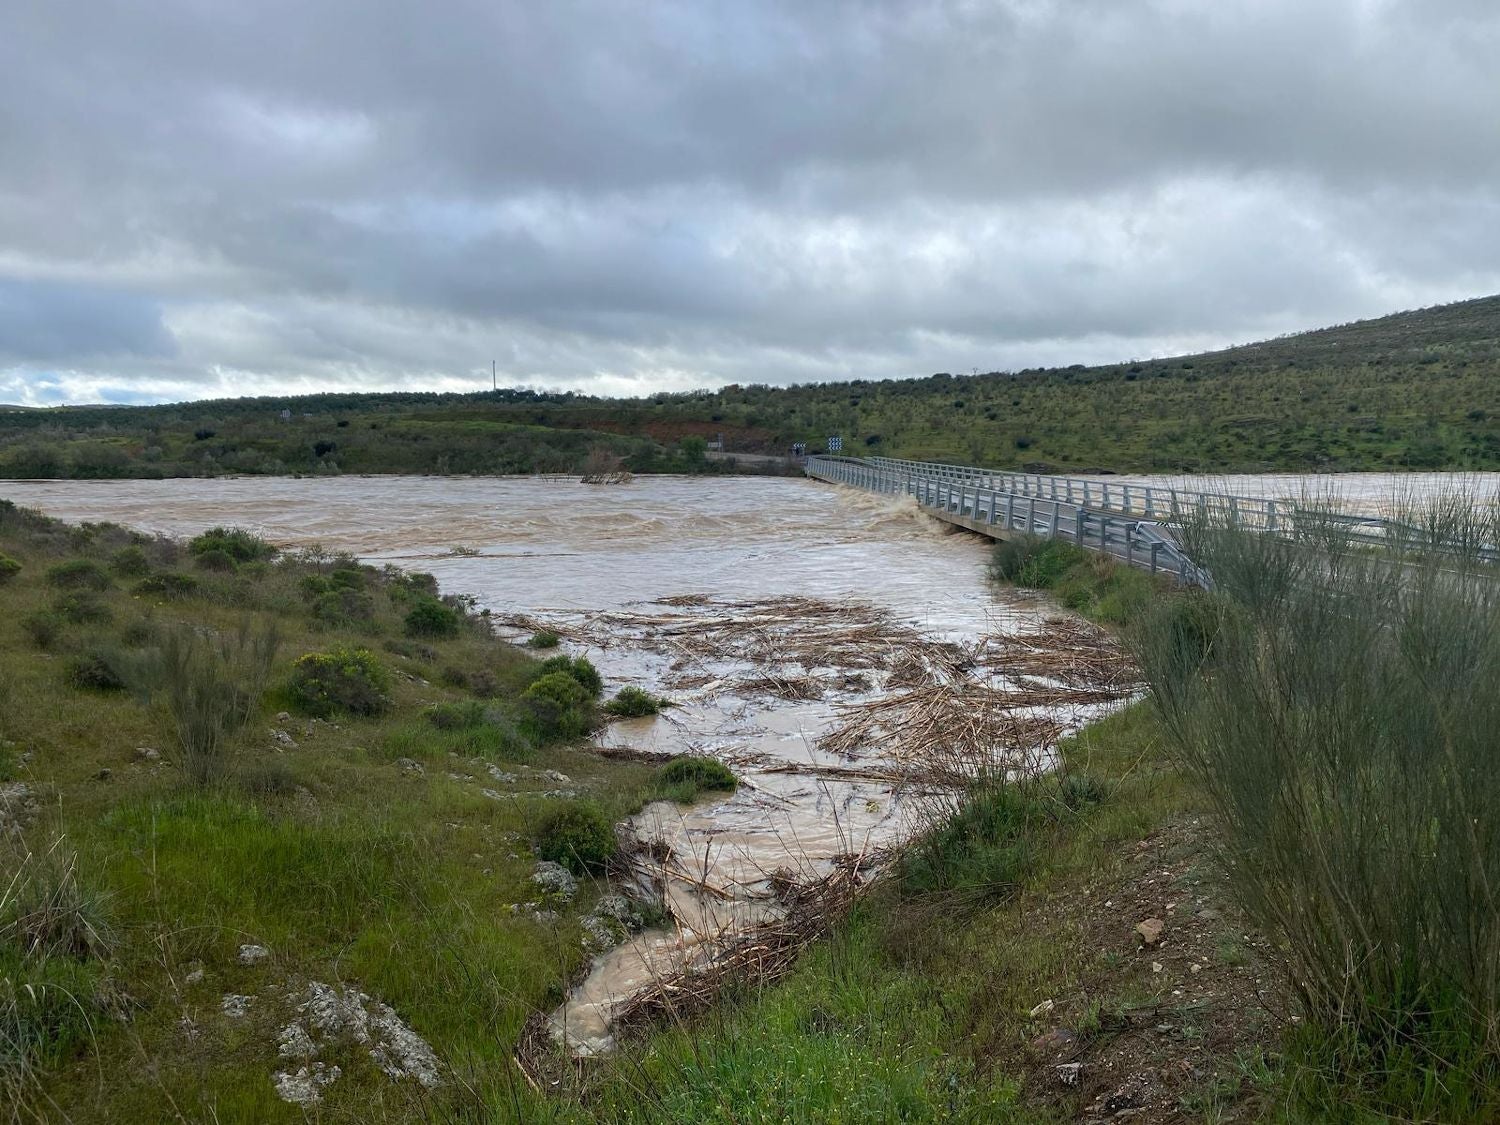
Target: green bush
[(170, 585), (577, 835), (544, 638), (82, 609), (130, 562), (633, 703), (314, 586), (559, 708), (582, 672), (211, 685), (265, 777), (342, 606), (141, 632), (96, 671), (982, 851), (684, 779), (455, 716), (1078, 791), (347, 578), (216, 559), (43, 628), (240, 545), (340, 680), (411, 586), (429, 617), (9, 568), (79, 574), (1338, 705), (1055, 558)]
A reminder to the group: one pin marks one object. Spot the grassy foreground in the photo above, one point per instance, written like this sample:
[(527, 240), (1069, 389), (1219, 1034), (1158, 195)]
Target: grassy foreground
[(210, 747)]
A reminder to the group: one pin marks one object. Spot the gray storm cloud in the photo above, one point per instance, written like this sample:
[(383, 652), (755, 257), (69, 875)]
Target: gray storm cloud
[(200, 198)]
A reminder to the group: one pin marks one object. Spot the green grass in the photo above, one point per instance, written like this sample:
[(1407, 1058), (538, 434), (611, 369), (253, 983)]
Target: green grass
[(347, 868), (897, 1015), (1087, 582)]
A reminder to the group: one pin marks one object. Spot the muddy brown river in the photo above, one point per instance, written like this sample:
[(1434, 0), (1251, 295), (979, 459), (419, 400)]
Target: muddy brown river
[(802, 631)]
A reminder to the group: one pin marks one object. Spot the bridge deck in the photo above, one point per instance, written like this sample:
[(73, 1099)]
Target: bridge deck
[(1001, 505)]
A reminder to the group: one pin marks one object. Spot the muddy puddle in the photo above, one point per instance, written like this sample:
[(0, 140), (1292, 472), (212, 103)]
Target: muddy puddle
[(841, 652)]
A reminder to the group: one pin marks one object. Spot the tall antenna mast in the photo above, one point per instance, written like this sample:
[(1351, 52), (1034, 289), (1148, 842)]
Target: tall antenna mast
[(494, 386)]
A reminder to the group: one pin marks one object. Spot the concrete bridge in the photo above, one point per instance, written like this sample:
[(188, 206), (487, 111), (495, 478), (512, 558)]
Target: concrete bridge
[(1135, 523), (1132, 523)]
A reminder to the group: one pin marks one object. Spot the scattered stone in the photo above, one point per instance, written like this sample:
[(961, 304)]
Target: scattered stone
[(305, 1087), (492, 795), (460, 776), (1149, 932), (283, 716), (1195, 967), (601, 934), (295, 1043), (501, 776), (17, 806), (620, 909), (613, 919), (253, 954), (194, 977), (1067, 1073), (235, 1006), (147, 754), (410, 767), (283, 740), (1157, 966), (1043, 1008), (188, 1028), (350, 1015), (555, 880), (560, 778)]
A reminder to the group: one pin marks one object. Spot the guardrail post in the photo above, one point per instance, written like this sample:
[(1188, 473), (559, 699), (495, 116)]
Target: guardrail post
[(1055, 514), (1155, 547)]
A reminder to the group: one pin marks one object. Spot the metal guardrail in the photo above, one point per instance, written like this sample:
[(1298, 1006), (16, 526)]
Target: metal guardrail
[(980, 496), (1153, 502), (1174, 507), (1132, 522)]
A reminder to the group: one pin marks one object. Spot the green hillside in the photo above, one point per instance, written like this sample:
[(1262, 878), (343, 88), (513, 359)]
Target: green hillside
[(1415, 390)]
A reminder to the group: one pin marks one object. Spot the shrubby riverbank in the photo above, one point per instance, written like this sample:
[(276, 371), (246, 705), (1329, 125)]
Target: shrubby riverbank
[(269, 815), (1261, 894), (266, 819)]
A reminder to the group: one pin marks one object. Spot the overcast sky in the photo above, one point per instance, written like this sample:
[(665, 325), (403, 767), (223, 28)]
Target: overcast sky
[(222, 197)]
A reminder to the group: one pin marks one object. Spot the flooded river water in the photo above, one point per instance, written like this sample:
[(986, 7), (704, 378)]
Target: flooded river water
[(830, 646), (762, 607)]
